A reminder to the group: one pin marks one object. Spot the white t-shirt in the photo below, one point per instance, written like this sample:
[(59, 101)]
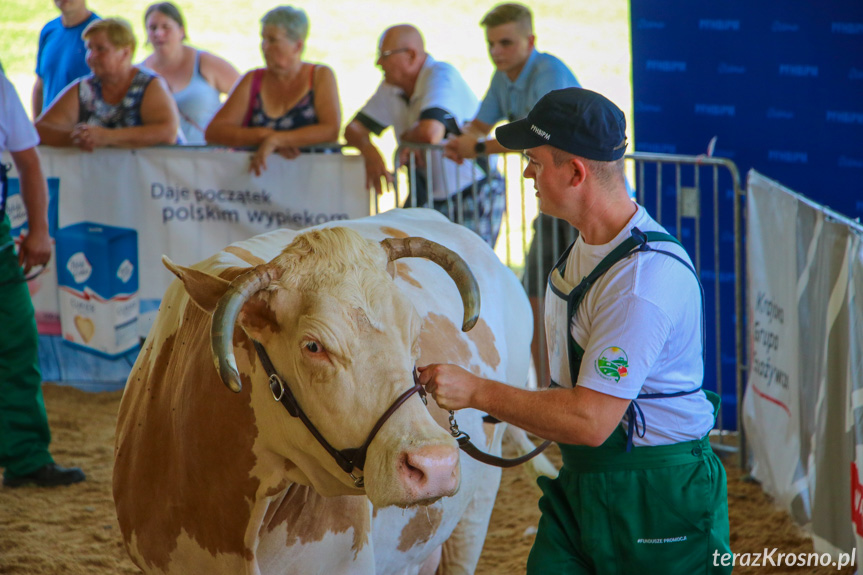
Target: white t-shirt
[(645, 310), (439, 87), (16, 131)]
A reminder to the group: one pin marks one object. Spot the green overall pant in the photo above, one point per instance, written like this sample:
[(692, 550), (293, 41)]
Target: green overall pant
[(24, 432), (623, 510)]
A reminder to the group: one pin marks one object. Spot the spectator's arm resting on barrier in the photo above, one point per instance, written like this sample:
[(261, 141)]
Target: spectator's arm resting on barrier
[(288, 142), (36, 245), (159, 122), (464, 147), (577, 416), (226, 128), (357, 135), (428, 131), (55, 124), (425, 131), (36, 99)]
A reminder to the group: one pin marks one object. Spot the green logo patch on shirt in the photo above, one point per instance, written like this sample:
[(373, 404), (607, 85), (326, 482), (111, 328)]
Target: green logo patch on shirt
[(612, 364)]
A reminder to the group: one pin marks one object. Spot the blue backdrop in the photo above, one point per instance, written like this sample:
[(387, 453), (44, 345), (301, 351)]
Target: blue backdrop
[(779, 84)]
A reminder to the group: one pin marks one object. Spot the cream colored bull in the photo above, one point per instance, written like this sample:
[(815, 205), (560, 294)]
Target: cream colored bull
[(208, 481)]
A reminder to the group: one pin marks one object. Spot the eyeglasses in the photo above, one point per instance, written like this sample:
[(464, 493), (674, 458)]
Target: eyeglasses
[(388, 53)]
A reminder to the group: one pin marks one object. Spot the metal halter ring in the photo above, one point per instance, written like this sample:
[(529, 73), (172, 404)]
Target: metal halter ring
[(453, 425), (276, 383), (359, 482)]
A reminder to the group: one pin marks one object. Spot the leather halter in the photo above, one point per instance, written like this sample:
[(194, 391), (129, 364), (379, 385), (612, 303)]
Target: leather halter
[(355, 458), (348, 459)]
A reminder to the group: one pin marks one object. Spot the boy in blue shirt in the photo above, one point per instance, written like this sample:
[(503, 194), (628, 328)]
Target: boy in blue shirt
[(523, 75), (61, 55)]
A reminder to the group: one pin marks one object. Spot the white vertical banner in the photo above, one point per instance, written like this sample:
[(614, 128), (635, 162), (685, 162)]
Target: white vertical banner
[(855, 406), (771, 404), (826, 393), (803, 408)]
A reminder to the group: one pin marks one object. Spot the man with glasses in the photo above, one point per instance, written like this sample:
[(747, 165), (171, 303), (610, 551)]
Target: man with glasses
[(425, 101), (523, 75), (24, 432)]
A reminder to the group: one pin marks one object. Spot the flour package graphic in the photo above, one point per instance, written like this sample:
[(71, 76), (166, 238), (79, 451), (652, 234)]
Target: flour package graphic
[(97, 270)]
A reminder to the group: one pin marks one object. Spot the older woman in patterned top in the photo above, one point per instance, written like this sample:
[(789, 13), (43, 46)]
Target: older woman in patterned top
[(285, 106), (117, 105)]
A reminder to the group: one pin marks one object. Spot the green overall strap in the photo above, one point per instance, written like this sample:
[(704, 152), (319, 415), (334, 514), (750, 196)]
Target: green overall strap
[(634, 243)]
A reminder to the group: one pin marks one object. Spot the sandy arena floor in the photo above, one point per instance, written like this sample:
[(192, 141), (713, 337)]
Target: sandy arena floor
[(72, 531)]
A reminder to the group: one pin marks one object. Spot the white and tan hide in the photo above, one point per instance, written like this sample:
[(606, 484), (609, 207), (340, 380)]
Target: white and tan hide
[(212, 482)]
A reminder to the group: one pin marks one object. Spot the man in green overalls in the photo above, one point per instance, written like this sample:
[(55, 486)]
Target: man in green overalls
[(641, 491), (24, 432)]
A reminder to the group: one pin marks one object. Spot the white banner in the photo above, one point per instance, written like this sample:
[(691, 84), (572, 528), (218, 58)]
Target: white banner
[(802, 408), (190, 203), (771, 410)]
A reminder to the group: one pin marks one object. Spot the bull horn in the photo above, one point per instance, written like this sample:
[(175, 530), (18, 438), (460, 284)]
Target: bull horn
[(222, 330), (450, 261)]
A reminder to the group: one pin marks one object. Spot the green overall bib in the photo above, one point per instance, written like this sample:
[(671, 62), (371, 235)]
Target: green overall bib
[(623, 510)]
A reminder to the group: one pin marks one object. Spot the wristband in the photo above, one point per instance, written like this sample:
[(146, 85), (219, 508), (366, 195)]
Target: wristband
[(479, 148)]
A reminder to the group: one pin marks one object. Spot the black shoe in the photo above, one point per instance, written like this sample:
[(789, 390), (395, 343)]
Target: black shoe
[(51, 475)]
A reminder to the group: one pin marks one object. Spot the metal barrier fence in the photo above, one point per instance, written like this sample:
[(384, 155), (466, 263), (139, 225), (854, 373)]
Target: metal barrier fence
[(697, 198)]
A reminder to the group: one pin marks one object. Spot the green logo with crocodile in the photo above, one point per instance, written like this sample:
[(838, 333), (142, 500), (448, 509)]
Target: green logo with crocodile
[(612, 364)]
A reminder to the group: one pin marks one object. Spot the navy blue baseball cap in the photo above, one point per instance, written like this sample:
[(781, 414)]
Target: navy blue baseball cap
[(574, 120)]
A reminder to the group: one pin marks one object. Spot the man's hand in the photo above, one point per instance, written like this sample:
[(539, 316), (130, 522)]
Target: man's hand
[(419, 157), (461, 148), (35, 250), (451, 386), (376, 169)]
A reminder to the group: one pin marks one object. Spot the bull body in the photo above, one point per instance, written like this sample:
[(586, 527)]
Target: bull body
[(208, 481)]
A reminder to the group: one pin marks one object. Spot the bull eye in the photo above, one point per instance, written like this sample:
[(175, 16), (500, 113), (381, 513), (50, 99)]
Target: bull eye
[(313, 347)]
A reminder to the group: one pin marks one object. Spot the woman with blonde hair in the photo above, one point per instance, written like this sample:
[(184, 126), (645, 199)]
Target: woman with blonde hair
[(196, 78), (117, 105), (285, 106)]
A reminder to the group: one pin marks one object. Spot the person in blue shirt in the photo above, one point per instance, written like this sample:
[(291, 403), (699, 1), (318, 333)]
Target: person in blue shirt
[(523, 75), (61, 56)]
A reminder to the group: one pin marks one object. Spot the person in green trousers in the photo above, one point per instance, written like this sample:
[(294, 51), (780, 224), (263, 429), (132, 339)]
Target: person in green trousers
[(640, 490), (24, 431)]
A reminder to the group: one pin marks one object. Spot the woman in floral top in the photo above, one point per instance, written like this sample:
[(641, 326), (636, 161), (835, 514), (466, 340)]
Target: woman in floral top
[(117, 105)]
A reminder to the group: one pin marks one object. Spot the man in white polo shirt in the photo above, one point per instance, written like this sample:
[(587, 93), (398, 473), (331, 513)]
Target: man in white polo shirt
[(425, 101)]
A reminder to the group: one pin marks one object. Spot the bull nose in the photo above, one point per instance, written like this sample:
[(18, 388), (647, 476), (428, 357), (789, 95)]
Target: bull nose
[(430, 472)]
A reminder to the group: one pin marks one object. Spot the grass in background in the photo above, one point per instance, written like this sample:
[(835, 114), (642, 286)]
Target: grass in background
[(592, 38)]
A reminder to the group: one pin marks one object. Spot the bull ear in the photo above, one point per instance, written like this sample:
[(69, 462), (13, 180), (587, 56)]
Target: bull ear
[(204, 289)]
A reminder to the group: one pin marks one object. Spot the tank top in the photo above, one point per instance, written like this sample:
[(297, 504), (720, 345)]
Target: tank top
[(302, 114), (198, 102), (94, 110)]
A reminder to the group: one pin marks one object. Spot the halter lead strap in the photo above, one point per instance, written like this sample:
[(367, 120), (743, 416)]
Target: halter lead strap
[(355, 457)]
